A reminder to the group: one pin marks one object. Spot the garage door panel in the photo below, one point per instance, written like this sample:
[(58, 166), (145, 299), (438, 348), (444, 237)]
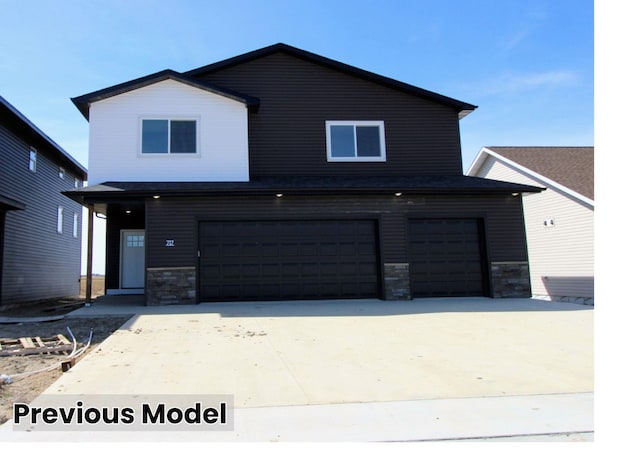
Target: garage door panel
[(306, 259), (446, 257)]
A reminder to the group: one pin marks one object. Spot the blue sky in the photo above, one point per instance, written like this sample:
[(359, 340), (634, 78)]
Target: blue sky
[(527, 65)]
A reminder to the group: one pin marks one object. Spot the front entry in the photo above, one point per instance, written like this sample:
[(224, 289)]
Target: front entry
[(132, 258)]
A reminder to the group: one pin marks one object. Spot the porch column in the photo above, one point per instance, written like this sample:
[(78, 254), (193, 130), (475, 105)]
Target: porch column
[(89, 257)]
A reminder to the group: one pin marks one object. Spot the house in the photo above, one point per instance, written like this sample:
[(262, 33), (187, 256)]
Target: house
[(40, 229), (559, 221), (282, 174)]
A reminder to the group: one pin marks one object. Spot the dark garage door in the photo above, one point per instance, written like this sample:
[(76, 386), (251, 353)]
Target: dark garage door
[(446, 257), (278, 260)]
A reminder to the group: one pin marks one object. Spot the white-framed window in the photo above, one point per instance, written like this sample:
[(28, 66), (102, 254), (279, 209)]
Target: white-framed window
[(60, 219), (75, 224), (168, 136), (77, 183), (355, 141), (61, 172), (33, 157)]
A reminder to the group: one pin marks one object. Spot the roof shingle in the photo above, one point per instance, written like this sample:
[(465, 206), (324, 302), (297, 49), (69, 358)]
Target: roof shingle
[(571, 166)]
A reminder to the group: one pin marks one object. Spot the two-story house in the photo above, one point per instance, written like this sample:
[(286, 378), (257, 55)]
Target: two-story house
[(40, 229), (282, 174)]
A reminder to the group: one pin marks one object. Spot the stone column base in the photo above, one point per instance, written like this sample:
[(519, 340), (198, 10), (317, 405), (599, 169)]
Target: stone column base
[(510, 279), (397, 281), (171, 285)]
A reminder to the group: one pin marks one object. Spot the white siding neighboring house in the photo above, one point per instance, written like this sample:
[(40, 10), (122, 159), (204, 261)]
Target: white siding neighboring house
[(559, 221)]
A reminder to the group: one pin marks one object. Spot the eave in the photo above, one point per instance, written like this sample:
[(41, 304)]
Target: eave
[(83, 103), (463, 108), (445, 185), (20, 124)]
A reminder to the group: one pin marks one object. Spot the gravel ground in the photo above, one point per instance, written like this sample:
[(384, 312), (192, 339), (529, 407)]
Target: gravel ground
[(26, 387)]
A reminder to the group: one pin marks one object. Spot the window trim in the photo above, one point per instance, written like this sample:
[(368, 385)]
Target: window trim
[(355, 124), (195, 119), (33, 159), (75, 224), (61, 172)]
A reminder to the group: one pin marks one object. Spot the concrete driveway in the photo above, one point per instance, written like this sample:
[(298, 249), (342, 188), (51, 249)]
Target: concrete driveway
[(293, 360)]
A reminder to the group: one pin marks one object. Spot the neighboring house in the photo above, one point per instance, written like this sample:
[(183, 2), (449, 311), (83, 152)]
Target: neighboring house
[(560, 220), (40, 229), (281, 174)]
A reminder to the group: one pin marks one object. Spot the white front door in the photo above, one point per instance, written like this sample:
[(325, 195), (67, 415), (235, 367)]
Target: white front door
[(132, 259)]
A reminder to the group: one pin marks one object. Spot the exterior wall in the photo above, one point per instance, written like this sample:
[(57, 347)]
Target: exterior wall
[(115, 130), (561, 257), (177, 219), (287, 135), (38, 263)]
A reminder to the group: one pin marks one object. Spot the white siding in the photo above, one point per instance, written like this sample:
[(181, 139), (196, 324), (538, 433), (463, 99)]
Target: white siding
[(114, 136), (561, 257)]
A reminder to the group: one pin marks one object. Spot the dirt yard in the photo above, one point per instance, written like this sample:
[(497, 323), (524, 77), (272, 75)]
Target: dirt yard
[(26, 387)]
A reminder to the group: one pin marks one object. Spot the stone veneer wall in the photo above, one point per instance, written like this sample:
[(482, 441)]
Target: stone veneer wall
[(397, 281), (510, 279), (171, 285)]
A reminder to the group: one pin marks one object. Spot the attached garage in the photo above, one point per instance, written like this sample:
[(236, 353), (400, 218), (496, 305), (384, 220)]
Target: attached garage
[(288, 260), (446, 258)]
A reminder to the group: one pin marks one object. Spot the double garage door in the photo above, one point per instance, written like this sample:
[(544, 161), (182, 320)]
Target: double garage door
[(332, 259), (273, 260)]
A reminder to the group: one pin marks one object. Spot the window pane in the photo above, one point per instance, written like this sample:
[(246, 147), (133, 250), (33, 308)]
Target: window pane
[(32, 160), (155, 135), (368, 141), (342, 141), (60, 218), (183, 137)]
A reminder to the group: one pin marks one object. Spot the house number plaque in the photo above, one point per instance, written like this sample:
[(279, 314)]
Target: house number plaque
[(169, 243)]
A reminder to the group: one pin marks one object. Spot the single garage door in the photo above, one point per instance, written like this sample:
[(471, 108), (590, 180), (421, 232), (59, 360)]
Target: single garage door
[(286, 260), (446, 257)]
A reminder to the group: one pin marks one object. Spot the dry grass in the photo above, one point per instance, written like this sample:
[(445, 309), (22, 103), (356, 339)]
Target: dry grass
[(97, 286)]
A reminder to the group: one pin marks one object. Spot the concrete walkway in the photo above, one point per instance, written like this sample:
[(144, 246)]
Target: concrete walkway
[(365, 370)]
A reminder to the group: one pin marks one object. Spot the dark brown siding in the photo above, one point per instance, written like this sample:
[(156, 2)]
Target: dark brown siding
[(178, 219), (287, 135), (38, 262)]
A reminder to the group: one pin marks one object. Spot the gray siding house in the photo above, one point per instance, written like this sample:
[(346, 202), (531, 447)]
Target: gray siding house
[(282, 174), (559, 221), (40, 229)]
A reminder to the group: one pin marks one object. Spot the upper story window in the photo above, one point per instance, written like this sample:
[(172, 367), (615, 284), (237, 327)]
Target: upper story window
[(33, 157), (163, 136), (354, 141), (61, 172)]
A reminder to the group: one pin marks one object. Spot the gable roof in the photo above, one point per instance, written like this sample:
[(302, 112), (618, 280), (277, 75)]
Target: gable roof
[(463, 108), (568, 168), (83, 102), (17, 122)]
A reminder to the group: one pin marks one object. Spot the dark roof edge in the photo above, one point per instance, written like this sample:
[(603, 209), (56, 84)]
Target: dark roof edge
[(83, 102), (112, 192), (57, 148), (462, 107)]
